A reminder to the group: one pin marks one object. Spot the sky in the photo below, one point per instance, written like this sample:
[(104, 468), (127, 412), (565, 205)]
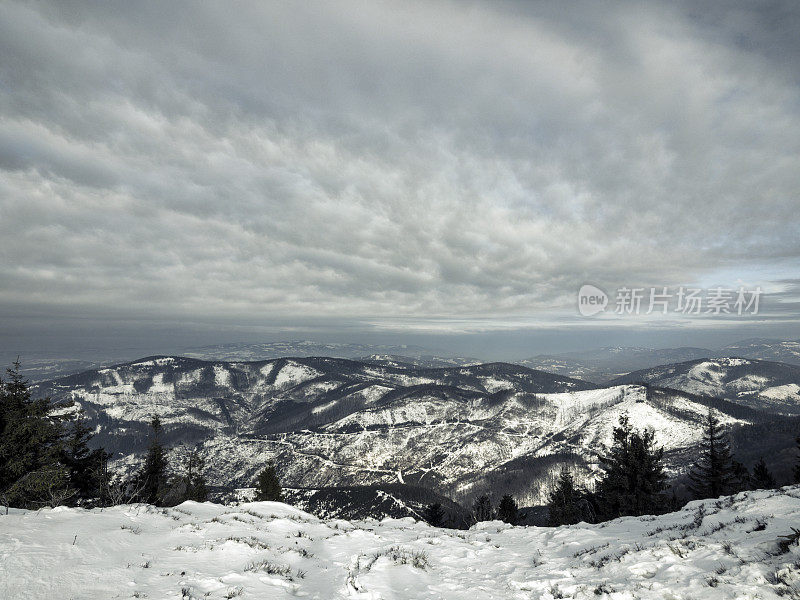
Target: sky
[(439, 173)]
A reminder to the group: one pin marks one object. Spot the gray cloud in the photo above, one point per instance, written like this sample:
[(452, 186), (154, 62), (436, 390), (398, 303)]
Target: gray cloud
[(366, 162)]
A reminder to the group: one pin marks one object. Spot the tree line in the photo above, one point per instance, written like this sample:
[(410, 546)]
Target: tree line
[(632, 479)]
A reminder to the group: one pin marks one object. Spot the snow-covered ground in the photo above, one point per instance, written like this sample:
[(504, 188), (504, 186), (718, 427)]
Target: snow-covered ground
[(711, 549)]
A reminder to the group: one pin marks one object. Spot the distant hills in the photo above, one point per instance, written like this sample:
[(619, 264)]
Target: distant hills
[(44, 365), (760, 384), (597, 365), (605, 364)]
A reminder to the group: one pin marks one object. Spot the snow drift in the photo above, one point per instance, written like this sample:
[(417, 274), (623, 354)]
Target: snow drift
[(724, 548)]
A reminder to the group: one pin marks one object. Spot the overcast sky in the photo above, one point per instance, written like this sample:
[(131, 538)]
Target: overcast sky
[(440, 172)]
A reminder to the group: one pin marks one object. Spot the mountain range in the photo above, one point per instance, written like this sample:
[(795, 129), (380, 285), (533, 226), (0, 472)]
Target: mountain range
[(605, 364), (461, 431), (596, 365), (760, 384)]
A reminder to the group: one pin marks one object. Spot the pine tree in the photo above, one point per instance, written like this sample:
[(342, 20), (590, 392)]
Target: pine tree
[(32, 437), (482, 509), (267, 485), (83, 464), (152, 478), (796, 472), (741, 479), (633, 479), (713, 475), (196, 481), (190, 484), (507, 511), (434, 515), (762, 479), (563, 501)]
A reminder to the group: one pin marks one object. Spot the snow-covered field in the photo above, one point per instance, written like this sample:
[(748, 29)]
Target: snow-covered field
[(711, 549)]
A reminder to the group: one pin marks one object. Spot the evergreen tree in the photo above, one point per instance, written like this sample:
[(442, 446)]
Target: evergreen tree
[(482, 509), (633, 479), (196, 481), (152, 478), (267, 485), (507, 511), (675, 503), (563, 501), (83, 464), (762, 479), (104, 482), (32, 437), (434, 515), (713, 475), (190, 484), (741, 480), (796, 472)]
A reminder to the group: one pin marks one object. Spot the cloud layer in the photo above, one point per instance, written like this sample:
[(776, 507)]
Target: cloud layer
[(375, 161)]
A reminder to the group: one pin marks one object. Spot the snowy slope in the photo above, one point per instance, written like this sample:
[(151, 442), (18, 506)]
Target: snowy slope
[(756, 383), (714, 549)]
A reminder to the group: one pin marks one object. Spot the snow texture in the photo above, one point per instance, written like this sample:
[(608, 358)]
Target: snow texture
[(712, 549)]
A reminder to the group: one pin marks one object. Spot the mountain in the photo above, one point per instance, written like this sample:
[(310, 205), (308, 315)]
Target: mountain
[(393, 500), (45, 365), (759, 384), (335, 422), (595, 365), (304, 348), (603, 364), (426, 361), (765, 349), (607, 364), (715, 549)]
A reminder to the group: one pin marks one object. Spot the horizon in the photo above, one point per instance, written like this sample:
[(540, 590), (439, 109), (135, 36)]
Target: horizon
[(125, 355)]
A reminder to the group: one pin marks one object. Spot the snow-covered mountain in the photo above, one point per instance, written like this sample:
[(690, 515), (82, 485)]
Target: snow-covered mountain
[(392, 500), (786, 351), (759, 384), (335, 422), (715, 549), (45, 365), (306, 348), (595, 365), (426, 361), (605, 364)]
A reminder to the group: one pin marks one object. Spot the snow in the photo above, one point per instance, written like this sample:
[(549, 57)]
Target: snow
[(324, 407), (725, 378), (166, 360), (783, 392), (714, 550), (708, 373), (158, 385), (294, 373), (493, 384), (749, 383), (733, 362), (222, 377)]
